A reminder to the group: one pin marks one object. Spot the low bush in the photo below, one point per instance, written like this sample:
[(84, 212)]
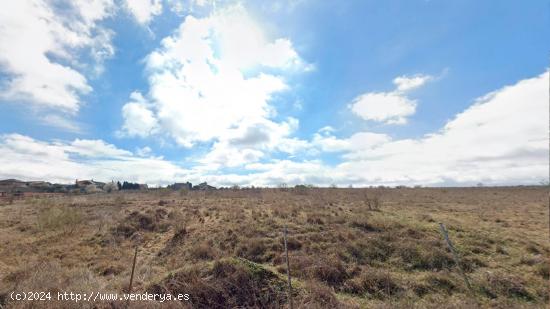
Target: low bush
[(65, 218), (252, 249), (150, 221), (228, 283), (420, 257), (202, 251), (318, 296), (500, 284), (373, 283)]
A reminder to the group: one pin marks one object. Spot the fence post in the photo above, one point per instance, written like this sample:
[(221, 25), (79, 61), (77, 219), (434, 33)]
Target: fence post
[(288, 270), (455, 256), (133, 268)]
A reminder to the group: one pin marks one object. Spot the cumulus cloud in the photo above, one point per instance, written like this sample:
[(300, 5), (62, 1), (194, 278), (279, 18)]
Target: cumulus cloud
[(139, 120), (251, 142), (489, 142), (202, 91), (389, 107), (144, 10), (502, 138), (23, 157), (40, 48)]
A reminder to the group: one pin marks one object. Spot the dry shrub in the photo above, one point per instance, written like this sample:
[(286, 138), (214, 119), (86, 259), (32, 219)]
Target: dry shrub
[(65, 218), (297, 264), (202, 251), (373, 202), (435, 283), (542, 270), (441, 282), (331, 271), (421, 257), (180, 235), (120, 199), (50, 277), (501, 284), (373, 283), (533, 248), (291, 242), (111, 270), (315, 219), (226, 284), (253, 249), (377, 250), (150, 221), (531, 260), (366, 225), (277, 213), (177, 219), (318, 296), (356, 252), (327, 269)]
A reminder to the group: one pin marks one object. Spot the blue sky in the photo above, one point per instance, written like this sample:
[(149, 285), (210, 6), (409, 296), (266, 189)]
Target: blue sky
[(263, 93)]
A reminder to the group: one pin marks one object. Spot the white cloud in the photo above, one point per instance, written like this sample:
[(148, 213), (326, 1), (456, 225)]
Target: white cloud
[(187, 6), (502, 138), (199, 92), (144, 10), (94, 148), (223, 155), (40, 48), (251, 142), (326, 130), (389, 107), (406, 83), (139, 120), (25, 158), (286, 171), (144, 151), (361, 141), (490, 142), (61, 122)]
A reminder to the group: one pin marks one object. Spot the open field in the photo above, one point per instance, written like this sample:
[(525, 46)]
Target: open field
[(349, 248)]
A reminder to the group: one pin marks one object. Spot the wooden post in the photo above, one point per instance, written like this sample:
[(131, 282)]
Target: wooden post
[(455, 256), (133, 268), (288, 271)]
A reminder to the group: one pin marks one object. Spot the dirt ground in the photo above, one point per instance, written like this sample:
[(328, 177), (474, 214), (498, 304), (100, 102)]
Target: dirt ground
[(348, 248)]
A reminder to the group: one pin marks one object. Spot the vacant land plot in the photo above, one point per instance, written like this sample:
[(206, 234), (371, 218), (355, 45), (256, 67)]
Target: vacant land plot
[(348, 248)]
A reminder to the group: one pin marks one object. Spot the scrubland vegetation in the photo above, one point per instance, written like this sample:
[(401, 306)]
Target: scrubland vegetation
[(348, 248)]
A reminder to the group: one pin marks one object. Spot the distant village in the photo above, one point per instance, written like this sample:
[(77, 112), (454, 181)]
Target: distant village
[(13, 188)]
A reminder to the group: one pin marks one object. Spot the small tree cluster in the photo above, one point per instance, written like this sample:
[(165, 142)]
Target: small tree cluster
[(127, 185), (373, 203)]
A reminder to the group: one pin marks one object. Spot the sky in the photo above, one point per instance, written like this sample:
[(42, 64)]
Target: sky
[(264, 93)]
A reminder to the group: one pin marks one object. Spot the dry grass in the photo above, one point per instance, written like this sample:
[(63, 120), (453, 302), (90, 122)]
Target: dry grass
[(349, 248)]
